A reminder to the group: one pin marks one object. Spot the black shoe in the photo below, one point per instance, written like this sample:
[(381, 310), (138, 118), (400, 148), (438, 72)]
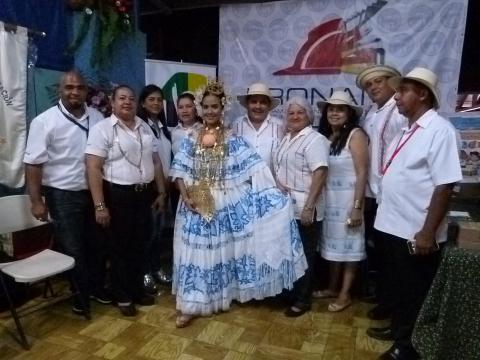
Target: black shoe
[(149, 285), (128, 310), (102, 297), (163, 277), (146, 300), (384, 334), (399, 353), (292, 313), (379, 312), (78, 308)]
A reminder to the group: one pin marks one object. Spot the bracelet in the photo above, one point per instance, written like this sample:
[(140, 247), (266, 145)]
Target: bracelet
[(99, 206), (357, 204)]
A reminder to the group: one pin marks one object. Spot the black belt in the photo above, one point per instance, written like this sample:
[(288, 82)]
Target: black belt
[(133, 187)]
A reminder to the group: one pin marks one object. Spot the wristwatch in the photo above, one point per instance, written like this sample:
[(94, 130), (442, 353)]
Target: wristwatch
[(100, 206)]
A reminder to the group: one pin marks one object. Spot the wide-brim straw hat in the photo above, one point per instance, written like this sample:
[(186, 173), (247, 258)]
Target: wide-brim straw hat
[(258, 89), (340, 97), (422, 75), (371, 72)]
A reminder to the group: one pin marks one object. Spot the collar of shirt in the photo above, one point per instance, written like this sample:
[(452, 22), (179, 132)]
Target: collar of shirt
[(265, 122), (386, 106), (83, 117), (302, 132), (423, 121), (115, 120)]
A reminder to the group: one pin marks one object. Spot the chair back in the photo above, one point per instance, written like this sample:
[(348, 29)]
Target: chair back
[(28, 235), (15, 214)]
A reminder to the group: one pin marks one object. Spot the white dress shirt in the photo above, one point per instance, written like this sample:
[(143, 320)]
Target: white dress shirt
[(294, 162), (381, 125), (181, 132), (128, 153), (427, 159), (59, 145), (265, 140), (164, 146)]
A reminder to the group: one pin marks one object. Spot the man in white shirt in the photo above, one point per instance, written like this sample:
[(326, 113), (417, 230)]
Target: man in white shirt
[(55, 167), (421, 169), (262, 131), (381, 123)]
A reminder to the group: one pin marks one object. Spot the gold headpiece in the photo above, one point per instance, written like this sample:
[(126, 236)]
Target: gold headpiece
[(215, 87)]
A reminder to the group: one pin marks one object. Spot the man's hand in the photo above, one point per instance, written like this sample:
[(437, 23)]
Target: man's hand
[(424, 242), (40, 211)]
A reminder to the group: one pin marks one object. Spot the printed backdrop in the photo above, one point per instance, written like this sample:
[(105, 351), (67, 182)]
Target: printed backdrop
[(307, 48), (175, 78), (13, 100)]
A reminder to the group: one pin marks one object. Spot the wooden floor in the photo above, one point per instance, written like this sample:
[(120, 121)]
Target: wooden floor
[(257, 330)]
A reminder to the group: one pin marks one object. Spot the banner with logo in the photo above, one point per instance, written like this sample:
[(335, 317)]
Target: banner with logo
[(13, 96), (175, 78), (310, 47)]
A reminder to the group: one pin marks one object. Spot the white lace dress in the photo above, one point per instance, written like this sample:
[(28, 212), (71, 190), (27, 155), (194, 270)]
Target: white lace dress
[(340, 242)]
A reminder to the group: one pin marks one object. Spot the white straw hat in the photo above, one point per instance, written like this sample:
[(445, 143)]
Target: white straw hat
[(258, 89), (422, 75), (371, 72), (340, 97)]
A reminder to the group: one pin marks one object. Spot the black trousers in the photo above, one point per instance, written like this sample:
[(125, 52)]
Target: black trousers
[(130, 230), (377, 260), (76, 234), (303, 287), (411, 277)]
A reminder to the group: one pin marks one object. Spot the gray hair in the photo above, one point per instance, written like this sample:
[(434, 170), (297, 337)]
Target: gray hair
[(303, 103)]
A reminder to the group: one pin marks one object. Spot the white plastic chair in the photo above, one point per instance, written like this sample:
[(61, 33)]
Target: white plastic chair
[(15, 216)]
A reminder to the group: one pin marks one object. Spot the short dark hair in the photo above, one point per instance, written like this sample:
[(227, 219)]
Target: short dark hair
[(121, 86)]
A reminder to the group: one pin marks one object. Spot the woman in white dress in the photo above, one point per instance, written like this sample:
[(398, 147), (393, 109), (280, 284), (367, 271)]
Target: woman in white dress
[(235, 236), (343, 242)]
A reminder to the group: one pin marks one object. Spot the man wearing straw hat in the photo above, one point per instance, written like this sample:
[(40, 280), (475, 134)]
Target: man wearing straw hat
[(382, 123), (262, 131), (422, 166)]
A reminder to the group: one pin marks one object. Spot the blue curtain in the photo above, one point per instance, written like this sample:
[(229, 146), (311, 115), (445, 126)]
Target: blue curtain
[(50, 16)]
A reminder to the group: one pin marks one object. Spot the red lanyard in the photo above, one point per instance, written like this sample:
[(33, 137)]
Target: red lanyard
[(398, 148)]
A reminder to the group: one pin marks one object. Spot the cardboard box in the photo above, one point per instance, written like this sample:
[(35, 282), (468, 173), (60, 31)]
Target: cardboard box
[(469, 235)]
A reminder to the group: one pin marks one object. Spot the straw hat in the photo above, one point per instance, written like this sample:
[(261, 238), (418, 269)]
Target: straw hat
[(371, 72), (258, 89), (340, 97), (422, 75)]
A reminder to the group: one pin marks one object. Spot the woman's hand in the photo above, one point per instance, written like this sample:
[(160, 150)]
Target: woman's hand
[(356, 218), (190, 204), (284, 189), (103, 217), (306, 218), (159, 203)]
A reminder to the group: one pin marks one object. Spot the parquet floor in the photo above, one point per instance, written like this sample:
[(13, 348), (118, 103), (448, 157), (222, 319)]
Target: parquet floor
[(256, 330)]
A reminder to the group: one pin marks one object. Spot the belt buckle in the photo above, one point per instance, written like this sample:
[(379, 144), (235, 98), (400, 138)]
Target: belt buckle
[(140, 187)]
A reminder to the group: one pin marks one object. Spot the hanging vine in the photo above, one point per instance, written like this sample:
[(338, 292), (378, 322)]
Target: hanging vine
[(114, 21)]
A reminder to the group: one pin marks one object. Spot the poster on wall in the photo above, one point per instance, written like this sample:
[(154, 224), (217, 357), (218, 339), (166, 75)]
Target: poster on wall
[(13, 100), (468, 126), (175, 78), (309, 48)]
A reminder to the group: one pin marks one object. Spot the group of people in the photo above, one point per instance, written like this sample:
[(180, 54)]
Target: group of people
[(254, 201)]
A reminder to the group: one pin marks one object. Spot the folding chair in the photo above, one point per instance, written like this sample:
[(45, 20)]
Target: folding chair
[(15, 216)]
